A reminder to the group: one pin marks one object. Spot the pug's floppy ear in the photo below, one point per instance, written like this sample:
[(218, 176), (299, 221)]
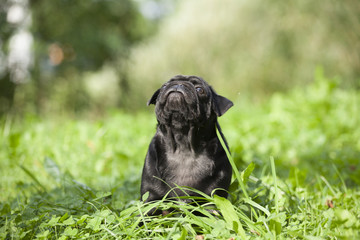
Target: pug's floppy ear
[(220, 104), (153, 98)]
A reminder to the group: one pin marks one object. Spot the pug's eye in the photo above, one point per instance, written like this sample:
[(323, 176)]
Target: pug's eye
[(199, 90)]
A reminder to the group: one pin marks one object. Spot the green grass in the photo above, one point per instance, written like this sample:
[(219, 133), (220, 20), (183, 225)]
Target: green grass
[(298, 157)]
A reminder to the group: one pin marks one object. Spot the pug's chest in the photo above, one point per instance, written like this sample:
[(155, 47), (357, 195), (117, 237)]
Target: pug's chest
[(187, 169)]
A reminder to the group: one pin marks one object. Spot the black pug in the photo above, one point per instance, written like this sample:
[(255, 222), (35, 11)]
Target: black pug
[(185, 150)]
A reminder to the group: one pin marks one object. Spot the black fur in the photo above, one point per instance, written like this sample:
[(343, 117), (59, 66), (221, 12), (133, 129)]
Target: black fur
[(185, 150)]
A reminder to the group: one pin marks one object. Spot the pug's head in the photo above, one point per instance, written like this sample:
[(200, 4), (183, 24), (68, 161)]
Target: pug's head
[(188, 100)]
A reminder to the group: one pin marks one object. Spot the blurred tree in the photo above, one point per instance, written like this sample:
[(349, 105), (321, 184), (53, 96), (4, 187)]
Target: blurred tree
[(76, 36), (85, 34), (7, 87), (71, 37)]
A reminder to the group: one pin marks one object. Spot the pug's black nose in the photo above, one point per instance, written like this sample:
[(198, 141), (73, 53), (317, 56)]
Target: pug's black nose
[(179, 87)]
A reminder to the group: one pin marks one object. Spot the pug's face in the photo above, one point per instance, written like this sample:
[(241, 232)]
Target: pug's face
[(185, 100)]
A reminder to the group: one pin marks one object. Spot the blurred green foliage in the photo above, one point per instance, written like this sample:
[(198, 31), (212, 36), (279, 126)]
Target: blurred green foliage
[(314, 129), (92, 55), (252, 48), (89, 33), (70, 38), (69, 178)]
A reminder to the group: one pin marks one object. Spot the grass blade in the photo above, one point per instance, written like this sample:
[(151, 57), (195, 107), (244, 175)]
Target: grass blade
[(233, 165), (275, 224), (32, 176), (273, 170)]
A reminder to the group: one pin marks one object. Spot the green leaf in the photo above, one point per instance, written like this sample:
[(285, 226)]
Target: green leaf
[(229, 214), (345, 217), (234, 186), (69, 231), (69, 221), (183, 234), (328, 214), (104, 213), (43, 235), (110, 219), (247, 172), (53, 221), (145, 196), (82, 219), (275, 226), (94, 223), (65, 216), (100, 195)]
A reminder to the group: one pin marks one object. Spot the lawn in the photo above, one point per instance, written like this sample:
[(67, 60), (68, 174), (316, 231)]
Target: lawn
[(298, 175)]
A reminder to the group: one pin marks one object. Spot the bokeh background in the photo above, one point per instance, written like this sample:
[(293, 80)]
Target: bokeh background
[(80, 57), (75, 76)]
